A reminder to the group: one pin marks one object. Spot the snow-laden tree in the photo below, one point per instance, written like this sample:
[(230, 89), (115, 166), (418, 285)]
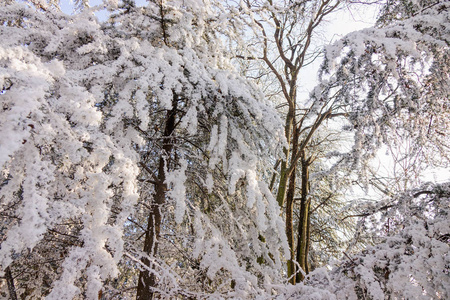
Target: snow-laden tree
[(208, 211), (411, 257), (59, 166), (84, 105), (392, 84), (409, 261), (393, 81)]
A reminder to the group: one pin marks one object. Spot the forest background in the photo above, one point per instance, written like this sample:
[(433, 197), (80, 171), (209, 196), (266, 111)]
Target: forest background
[(169, 151)]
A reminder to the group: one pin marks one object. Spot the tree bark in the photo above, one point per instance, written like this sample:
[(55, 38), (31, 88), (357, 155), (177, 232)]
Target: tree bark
[(284, 176), (147, 280), (10, 282), (303, 228), (308, 240), (290, 210), (290, 227)]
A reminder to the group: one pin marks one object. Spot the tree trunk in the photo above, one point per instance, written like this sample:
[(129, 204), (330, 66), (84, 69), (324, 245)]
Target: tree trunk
[(290, 209), (147, 280), (284, 176), (290, 227), (303, 228), (308, 240), (10, 282)]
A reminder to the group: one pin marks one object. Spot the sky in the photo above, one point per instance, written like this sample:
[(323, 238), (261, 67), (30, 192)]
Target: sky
[(337, 25)]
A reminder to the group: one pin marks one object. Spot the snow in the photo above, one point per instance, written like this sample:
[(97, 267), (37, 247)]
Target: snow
[(176, 180)]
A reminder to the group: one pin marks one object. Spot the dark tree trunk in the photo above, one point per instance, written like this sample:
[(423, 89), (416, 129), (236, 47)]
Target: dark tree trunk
[(308, 240), (303, 226), (10, 282), (290, 226), (147, 279)]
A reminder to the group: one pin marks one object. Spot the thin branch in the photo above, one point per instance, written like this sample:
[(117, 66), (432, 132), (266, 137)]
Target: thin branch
[(319, 120), (322, 203), (423, 193), (150, 172)]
